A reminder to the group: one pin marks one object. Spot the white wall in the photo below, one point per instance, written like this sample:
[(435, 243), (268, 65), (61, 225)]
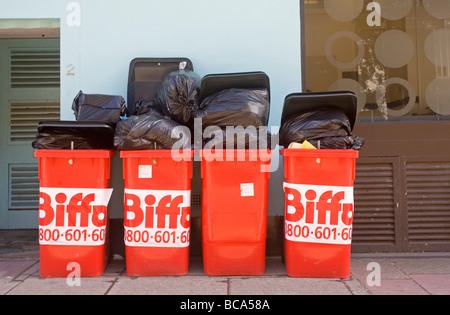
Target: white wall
[(219, 36)]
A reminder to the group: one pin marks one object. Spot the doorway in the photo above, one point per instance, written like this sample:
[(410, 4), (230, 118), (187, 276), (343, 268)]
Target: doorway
[(29, 93)]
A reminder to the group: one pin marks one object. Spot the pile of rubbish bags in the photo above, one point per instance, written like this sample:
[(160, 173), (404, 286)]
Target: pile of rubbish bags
[(167, 119), (153, 125), (238, 118)]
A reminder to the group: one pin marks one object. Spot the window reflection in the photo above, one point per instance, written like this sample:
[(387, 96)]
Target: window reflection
[(394, 54)]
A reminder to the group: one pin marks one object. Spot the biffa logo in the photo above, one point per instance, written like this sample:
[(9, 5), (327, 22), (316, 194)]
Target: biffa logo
[(72, 216), (157, 218), (318, 214)]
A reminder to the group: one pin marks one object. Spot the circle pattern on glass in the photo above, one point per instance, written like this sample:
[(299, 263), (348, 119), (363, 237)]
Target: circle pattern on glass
[(344, 10), (394, 49)]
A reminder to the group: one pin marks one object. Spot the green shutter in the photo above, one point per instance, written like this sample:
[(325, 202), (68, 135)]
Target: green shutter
[(23, 187), (34, 68)]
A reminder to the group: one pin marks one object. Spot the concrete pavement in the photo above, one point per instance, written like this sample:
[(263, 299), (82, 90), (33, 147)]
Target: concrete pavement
[(399, 276), (371, 274)]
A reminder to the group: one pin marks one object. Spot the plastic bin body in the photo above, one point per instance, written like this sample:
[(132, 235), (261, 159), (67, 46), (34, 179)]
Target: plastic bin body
[(73, 217), (318, 212), (157, 212), (234, 213)]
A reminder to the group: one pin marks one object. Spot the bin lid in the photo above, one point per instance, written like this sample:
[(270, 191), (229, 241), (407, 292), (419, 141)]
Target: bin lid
[(214, 83), (146, 75), (100, 133), (300, 102), (89, 125)]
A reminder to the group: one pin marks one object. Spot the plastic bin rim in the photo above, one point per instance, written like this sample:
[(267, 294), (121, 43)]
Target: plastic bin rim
[(247, 152), (74, 153), (154, 153), (320, 153)]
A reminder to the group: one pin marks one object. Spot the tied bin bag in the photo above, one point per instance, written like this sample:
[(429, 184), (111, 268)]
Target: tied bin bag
[(98, 107), (178, 95)]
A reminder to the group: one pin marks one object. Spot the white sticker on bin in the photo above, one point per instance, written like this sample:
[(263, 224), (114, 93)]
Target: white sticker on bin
[(145, 171), (73, 216), (157, 218), (318, 214), (247, 190)]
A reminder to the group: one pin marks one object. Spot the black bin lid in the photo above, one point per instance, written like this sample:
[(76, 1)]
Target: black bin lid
[(301, 102), (50, 126), (146, 75), (100, 133), (214, 83)]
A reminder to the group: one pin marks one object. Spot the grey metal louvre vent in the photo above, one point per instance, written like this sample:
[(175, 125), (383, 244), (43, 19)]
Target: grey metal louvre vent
[(34, 68), (24, 117), (428, 199), (23, 187), (374, 222)]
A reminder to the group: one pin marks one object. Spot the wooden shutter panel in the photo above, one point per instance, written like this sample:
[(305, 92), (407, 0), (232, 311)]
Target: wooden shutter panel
[(428, 203), (375, 205)]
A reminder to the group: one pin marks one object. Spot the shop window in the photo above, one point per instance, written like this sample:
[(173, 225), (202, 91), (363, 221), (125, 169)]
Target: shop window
[(395, 55)]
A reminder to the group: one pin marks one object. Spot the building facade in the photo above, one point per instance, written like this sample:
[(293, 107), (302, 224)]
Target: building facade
[(394, 55)]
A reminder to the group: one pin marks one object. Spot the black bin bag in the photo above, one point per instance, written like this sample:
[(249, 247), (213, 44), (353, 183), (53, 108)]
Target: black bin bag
[(235, 107), (150, 131), (244, 111), (325, 119), (143, 107), (98, 107), (178, 95), (325, 128)]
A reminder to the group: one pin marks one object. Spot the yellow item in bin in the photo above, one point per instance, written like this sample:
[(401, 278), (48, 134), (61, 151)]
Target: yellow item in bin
[(304, 145)]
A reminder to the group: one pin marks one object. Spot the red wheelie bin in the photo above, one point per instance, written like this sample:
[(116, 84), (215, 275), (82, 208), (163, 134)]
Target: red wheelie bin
[(319, 205)]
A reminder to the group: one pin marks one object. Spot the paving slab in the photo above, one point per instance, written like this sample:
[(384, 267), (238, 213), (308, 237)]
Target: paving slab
[(398, 287), (12, 271), (186, 285), (433, 284), (432, 265), (60, 286), (360, 268), (286, 286), (13, 268)]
